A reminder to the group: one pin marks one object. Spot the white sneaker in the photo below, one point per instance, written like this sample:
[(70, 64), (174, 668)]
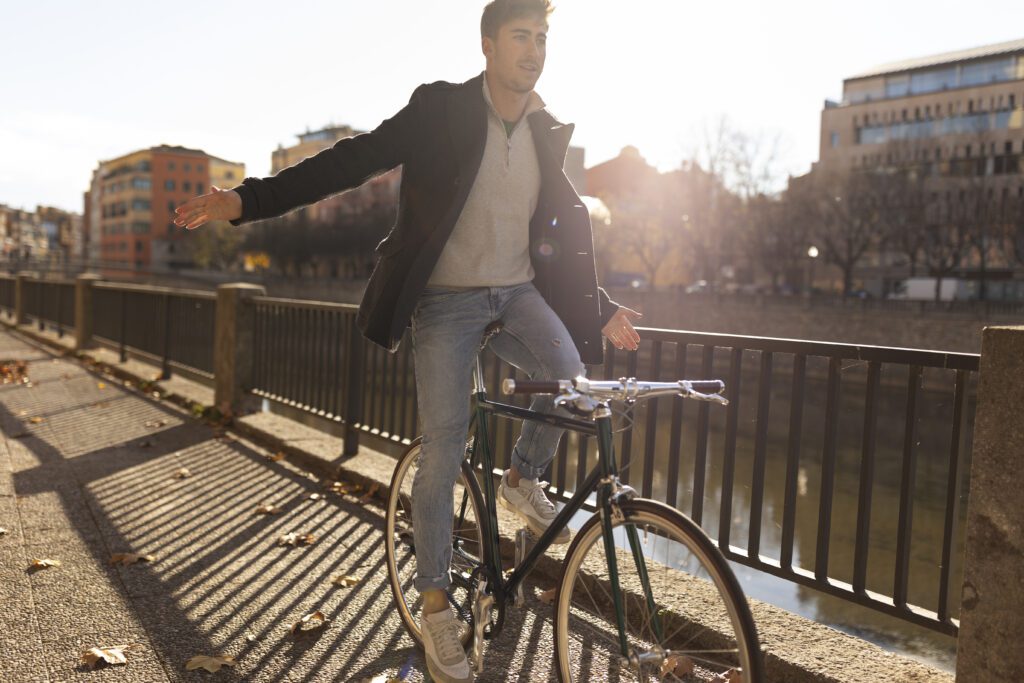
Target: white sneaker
[(529, 502), (446, 660)]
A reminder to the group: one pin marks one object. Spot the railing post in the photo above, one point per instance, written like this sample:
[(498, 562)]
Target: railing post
[(354, 347), (233, 346), (20, 298), (84, 316), (165, 351), (992, 602)]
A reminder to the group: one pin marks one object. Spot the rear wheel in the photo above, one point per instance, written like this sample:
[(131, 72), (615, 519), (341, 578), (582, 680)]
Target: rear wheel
[(691, 623), (467, 543)]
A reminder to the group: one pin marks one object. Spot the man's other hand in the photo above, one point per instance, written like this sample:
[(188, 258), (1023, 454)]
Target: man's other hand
[(620, 331), (216, 205)]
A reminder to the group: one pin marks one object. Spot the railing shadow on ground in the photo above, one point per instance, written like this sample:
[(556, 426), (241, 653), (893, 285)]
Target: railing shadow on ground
[(230, 588)]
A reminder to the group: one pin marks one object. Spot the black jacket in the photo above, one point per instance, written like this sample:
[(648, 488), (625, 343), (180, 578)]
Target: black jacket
[(438, 139)]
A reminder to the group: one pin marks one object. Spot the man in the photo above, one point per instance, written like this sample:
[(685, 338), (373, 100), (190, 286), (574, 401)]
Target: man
[(488, 228)]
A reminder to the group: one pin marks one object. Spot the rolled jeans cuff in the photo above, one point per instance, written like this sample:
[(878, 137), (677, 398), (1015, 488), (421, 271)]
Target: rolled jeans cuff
[(525, 469), (426, 583)]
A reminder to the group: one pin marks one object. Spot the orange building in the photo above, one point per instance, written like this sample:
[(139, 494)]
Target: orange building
[(133, 198)]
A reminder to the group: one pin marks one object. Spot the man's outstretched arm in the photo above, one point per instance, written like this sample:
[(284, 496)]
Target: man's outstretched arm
[(349, 163)]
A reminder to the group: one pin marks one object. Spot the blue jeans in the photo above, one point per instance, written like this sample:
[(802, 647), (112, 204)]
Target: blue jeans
[(447, 327)]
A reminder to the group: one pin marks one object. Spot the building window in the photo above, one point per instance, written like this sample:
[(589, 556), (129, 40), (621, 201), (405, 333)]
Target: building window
[(835, 139), (138, 246), (187, 166), (140, 205), (199, 188), (141, 183), (170, 165), (171, 206), (186, 186), (169, 185), (199, 168), (140, 228)]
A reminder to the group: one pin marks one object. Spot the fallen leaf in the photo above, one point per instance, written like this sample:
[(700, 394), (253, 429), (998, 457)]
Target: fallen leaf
[(156, 423), (276, 456), (102, 404), (3, 531), (22, 413), (182, 473), (730, 676), (677, 665), (107, 655), (44, 563), (344, 580), (102, 385), (156, 395), (309, 622), (130, 558), (268, 509), (316, 496), (35, 420), (548, 596), (374, 487), (211, 664), (294, 539)]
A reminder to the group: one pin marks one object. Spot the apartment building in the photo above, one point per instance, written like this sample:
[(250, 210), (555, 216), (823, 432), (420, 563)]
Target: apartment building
[(960, 113), (129, 209)]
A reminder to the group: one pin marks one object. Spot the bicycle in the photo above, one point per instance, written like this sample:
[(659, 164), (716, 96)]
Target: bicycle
[(632, 603)]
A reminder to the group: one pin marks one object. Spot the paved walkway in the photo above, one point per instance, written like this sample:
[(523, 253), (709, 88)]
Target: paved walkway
[(87, 469)]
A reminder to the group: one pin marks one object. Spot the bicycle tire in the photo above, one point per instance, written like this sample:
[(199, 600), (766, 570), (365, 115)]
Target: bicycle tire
[(469, 548), (706, 618)]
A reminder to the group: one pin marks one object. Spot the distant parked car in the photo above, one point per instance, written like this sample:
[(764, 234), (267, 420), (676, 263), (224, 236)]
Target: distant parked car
[(699, 287)]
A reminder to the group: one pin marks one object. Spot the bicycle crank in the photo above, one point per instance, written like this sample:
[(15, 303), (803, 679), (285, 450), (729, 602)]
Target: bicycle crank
[(483, 602)]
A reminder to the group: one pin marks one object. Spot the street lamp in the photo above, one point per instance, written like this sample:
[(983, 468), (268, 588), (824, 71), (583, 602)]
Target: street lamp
[(812, 254)]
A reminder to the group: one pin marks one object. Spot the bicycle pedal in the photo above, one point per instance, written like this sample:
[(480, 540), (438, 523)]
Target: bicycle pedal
[(522, 537)]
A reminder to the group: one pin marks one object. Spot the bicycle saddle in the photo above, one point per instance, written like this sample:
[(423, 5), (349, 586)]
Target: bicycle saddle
[(492, 329)]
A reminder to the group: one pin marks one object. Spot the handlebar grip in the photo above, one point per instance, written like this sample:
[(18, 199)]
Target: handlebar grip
[(531, 386), (708, 386)]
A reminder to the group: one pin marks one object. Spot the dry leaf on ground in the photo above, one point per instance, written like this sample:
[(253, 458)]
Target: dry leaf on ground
[(316, 496), (101, 385), (730, 676), (3, 531), (36, 420), (309, 622), (211, 664), (276, 456), (130, 558), (182, 473), (294, 539), (44, 563), (548, 596), (156, 423), (269, 509), (344, 580), (677, 665), (374, 487), (106, 655)]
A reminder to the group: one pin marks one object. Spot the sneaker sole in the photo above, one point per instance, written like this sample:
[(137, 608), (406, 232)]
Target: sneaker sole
[(442, 677), (536, 528)]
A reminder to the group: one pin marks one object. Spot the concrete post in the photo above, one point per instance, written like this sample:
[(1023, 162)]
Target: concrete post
[(20, 316), (232, 346), (84, 313), (992, 610)]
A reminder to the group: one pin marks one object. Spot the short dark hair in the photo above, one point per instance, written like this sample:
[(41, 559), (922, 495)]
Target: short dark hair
[(497, 13)]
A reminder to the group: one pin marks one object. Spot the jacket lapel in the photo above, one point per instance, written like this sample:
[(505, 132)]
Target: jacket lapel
[(467, 128)]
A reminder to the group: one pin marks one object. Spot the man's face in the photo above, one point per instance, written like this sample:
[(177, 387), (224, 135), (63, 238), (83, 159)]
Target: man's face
[(516, 56)]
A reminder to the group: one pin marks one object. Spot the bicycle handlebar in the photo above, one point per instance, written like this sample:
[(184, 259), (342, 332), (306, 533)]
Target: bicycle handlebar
[(628, 389)]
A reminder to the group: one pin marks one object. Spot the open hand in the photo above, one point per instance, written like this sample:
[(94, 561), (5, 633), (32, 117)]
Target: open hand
[(620, 331), (216, 205)]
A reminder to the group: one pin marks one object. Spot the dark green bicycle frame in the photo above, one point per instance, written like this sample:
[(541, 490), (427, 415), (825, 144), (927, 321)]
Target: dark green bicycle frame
[(599, 479)]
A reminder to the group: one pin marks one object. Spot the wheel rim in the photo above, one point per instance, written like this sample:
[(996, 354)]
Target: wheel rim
[(401, 558), (694, 631)]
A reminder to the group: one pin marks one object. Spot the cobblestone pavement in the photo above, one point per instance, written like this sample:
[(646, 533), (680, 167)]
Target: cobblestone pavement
[(87, 469)]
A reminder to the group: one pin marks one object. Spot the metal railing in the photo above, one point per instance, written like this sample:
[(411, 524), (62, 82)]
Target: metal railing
[(7, 290), (50, 303), (169, 326)]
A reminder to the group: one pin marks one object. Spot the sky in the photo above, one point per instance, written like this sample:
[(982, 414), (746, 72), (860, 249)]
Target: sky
[(85, 81)]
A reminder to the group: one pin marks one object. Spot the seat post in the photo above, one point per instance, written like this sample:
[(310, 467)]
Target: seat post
[(478, 375)]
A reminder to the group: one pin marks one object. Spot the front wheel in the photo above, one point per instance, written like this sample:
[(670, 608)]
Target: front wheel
[(467, 543), (688, 621)]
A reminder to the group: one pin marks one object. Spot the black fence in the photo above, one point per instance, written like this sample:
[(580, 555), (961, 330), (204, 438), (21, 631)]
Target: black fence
[(835, 466), (172, 327)]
